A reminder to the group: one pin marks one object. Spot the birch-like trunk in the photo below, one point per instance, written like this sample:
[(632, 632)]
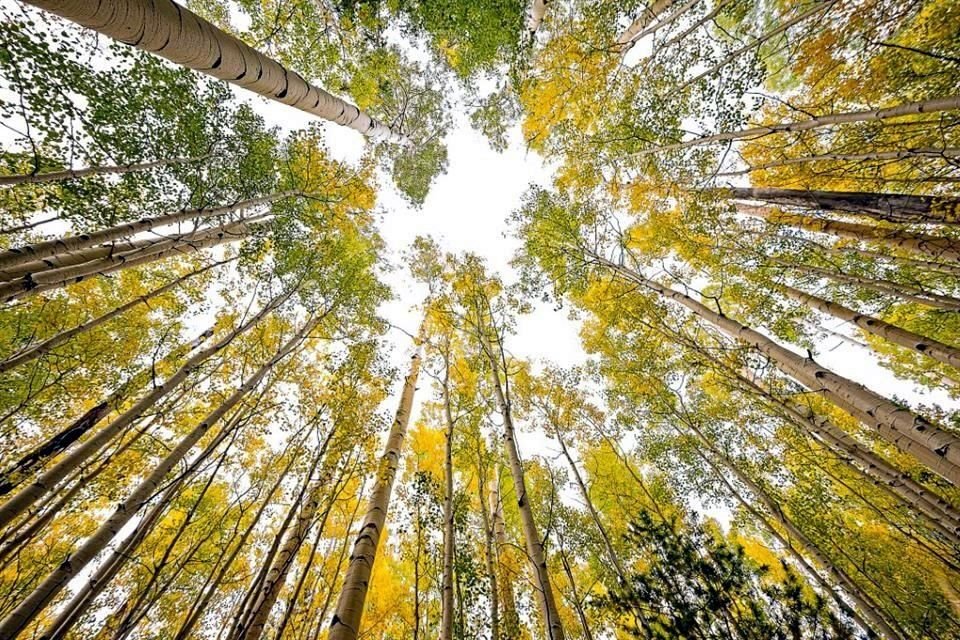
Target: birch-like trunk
[(49, 479), (213, 581), (614, 558), (34, 603), (932, 246), (42, 348), (109, 568), (511, 620), (888, 207), (575, 596), (868, 613), (935, 105), (154, 250), (548, 606), (638, 28), (486, 516), (926, 265), (893, 422), (70, 174), (349, 610), (885, 287), (18, 472), (169, 30), (934, 510), (535, 13), (446, 622), (70, 244), (274, 580), (902, 154), (915, 342)]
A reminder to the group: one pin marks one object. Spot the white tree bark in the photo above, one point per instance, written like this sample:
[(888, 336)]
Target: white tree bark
[(171, 31), (349, 610)]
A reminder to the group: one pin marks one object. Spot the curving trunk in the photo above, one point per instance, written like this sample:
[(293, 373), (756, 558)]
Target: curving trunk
[(71, 174), (349, 610), (915, 342), (34, 603), (901, 427), (169, 30), (926, 265), (888, 207), (935, 105)]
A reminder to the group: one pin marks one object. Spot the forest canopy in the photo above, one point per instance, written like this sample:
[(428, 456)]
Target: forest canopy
[(286, 288)]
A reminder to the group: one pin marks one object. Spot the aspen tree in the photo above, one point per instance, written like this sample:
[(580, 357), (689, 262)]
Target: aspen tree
[(23, 499), (50, 587), (169, 30), (72, 174), (349, 610)]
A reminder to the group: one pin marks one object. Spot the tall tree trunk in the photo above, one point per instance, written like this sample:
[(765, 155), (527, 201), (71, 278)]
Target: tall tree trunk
[(944, 446), (69, 244), (349, 610), (908, 293), (164, 28), (575, 598), (935, 105), (511, 619), (548, 606), (938, 513), (900, 154), (293, 540), (58, 443), (22, 500), (34, 283), (446, 623), (535, 13), (53, 584), (211, 585), (340, 485), (244, 610), (611, 554), (926, 265), (889, 207), (108, 569), (638, 28), (35, 351), (937, 248), (70, 174), (486, 516), (868, 613), (902, 337)]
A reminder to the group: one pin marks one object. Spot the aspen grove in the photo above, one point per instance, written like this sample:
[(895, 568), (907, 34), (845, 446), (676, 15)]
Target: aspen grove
[(489, 319)]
